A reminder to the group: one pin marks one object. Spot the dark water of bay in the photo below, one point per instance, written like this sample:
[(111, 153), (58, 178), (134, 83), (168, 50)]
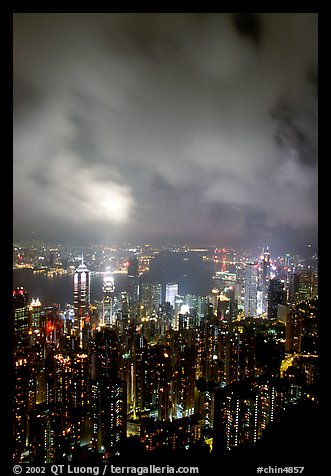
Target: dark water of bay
[(193, 276)]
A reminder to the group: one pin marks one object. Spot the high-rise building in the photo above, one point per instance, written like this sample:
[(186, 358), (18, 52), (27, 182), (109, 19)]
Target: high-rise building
[(204, 401), (243, 410), (133, 280), (185, 383), (108, 395), (80, 399), (108, 288), (151, 297), (282, 312), (202, 307), (54, 258), (45, 435), (67, 386), (160, 373), (223, 307), (21, 404), (251, 283), (21, 312), (276, 295), (224, 279), (263, 282), (81, 300), (171, 293), (35, 314), (229, 370), (177, 434), (307, 285), (303, 285), (164, 403), (266, 266), (293, 332), (302, 328), (142, 387)]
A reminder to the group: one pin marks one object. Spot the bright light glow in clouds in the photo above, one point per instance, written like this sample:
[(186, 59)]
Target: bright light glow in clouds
[(182, 122)]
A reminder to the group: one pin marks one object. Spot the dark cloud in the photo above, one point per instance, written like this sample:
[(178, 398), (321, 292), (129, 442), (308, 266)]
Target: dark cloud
[(25, 96), (166, 125), (297, 131), (249, 24)]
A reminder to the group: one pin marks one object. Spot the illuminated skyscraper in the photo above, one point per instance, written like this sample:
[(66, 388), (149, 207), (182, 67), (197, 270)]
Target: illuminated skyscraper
[(171, 293), (45, 435), (293, 332), (68, 388), (142, 375), (276, 295), (251, 282), (21, 405), (35, 314), (108, 288), (307, 286), (133, 277), (243, 410), (266, 265), (21, 312), (184, 383), (151, 297), (303, 285), (264, 278), (81, 299), (108, 395), (229, 354)]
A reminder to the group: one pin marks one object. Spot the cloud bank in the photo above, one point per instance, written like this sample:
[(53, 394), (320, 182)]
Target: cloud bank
[(196, 127)]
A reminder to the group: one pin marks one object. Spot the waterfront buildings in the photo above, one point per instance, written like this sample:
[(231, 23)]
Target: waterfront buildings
[(174, 371)]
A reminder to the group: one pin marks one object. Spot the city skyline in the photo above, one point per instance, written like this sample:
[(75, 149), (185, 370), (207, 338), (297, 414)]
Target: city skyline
[(202, 377), (185, 127), (165, 242)]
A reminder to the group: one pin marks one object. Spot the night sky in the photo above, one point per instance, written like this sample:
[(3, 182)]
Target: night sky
[(166, 127)]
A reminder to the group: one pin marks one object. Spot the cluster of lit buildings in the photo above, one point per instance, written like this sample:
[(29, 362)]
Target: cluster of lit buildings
[(173, 372)]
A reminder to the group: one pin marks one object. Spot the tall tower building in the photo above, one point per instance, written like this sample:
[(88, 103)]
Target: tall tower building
[(151, 297), (133, 277), (251, 283), (81, 299), (108, 288), (171, 293), (266, 265), (142, 375), (276, 295), (242, 412), (229, 353), (21, 404), (303, 285), (108, 395), (21, 312), (185, 382), (35, 314), (264, 281), (307, 288), (294, 326)]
